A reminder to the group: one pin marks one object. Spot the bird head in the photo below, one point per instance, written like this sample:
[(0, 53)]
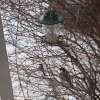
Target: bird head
[(40, 64), (62, 69)]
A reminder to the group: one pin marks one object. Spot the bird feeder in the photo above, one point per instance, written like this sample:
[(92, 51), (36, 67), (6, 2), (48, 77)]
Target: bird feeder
[(51, 24)]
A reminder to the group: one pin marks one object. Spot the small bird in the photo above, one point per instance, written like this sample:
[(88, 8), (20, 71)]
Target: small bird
[(65, 76), (41, 69)]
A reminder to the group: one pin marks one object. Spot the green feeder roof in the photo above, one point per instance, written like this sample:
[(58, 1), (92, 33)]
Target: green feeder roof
[(51, 18)]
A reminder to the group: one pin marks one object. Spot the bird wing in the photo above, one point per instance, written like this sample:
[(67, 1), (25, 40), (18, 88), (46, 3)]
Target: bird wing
[(42, 69)]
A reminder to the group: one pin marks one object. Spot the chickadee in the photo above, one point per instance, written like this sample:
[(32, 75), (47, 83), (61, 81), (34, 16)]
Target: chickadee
[(41, 69), (65, 76)]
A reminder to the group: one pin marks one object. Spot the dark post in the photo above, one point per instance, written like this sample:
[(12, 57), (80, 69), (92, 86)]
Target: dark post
[(6, 92)]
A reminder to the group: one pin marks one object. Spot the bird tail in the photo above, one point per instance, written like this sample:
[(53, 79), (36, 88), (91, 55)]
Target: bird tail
[(71, 85)]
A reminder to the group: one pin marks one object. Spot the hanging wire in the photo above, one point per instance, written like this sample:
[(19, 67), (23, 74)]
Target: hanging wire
[(16, 56), (78, 11)]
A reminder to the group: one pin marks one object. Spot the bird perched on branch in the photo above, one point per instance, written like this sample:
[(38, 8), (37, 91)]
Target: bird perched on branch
[(41, 69), (65, 76)]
